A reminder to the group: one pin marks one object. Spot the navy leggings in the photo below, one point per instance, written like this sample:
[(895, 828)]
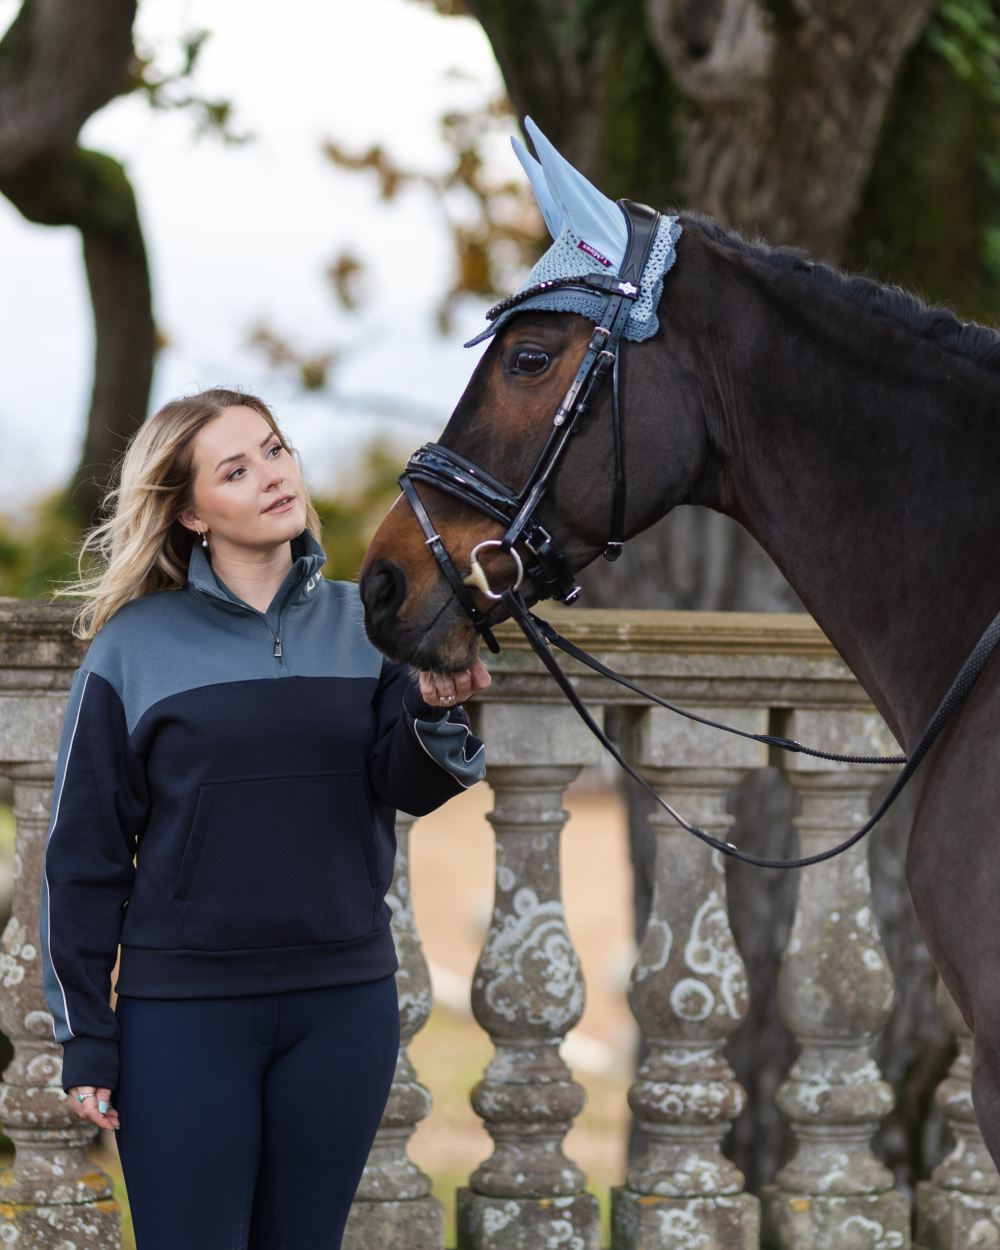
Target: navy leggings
[(246, 1122)]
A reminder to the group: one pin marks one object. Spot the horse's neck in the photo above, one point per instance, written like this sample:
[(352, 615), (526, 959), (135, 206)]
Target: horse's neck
[(864, 459)]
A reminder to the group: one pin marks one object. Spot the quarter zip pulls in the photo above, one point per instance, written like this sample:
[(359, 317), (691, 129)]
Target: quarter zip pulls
[(299, 583)]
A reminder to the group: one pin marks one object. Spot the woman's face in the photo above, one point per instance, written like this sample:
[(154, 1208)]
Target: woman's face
[(241, 469)]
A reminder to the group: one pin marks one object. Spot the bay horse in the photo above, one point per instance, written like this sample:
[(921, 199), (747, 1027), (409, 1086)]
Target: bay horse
[(855, 432)]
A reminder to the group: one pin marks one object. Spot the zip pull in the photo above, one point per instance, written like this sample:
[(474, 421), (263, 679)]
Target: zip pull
[(277, 646)]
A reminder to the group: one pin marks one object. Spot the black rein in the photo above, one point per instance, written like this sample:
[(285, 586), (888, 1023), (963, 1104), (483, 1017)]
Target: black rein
[(540, 634)]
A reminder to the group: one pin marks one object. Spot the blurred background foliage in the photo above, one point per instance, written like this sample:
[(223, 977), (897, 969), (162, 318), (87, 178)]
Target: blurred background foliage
[(34, 555)]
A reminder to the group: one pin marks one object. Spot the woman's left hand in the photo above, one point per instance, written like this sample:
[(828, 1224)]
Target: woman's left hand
[(447, 689)]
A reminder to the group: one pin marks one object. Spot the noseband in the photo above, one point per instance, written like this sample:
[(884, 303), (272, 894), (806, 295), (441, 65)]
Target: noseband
[(452, 473)]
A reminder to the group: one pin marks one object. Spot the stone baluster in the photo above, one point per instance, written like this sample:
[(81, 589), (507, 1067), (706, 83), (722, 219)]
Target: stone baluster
[(959, 1207), (527, 993), (53, 1196), (394, 1205), (688, 992), (835, 994)]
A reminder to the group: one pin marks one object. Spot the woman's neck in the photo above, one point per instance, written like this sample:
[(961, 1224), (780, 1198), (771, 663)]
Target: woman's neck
[(250, 573)]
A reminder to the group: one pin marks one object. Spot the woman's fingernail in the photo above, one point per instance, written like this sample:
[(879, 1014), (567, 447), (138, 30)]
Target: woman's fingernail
[(102, 1106)]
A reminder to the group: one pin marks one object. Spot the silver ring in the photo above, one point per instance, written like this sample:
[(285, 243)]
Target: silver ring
[(511, 551), (84, 1097)]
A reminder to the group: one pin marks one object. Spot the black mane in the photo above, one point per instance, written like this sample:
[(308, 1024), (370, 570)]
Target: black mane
[(966, 338)]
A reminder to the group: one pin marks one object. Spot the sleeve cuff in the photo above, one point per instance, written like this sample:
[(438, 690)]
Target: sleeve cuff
[(90, 1061), (414, 703)]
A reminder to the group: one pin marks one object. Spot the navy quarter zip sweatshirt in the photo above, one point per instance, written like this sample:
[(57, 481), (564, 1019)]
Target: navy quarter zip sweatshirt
[(224, 803)]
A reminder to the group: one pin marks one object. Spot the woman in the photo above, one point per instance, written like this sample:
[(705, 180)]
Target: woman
[(232, 757)]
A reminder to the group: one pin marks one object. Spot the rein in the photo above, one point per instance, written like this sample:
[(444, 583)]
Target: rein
[(550, 569), (540, 634)]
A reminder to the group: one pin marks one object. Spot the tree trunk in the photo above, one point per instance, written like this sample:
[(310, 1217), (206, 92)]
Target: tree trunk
[(786, 110), (59, 63)]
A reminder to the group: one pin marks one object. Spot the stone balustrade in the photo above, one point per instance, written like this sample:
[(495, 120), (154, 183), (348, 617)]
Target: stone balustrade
[(687, 991)]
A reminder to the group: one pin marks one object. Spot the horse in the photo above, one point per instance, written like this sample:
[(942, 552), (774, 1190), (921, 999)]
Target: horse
[(854, 431)]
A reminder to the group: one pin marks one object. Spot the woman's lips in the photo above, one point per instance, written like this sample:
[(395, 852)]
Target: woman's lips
[(281, 507)]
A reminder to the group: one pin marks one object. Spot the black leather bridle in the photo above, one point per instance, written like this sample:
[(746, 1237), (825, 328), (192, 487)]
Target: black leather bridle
[(452, 473), (549, 567)]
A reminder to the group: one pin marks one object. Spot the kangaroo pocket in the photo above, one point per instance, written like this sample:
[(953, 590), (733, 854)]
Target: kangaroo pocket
[(279, 861)]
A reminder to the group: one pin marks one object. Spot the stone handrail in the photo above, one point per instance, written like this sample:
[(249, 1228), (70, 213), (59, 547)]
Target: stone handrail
[(770, 673)]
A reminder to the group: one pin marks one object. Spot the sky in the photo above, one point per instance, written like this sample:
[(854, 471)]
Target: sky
[(236, 234)]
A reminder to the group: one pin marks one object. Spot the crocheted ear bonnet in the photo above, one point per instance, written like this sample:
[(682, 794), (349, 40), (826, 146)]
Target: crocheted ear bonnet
[(590, 236)]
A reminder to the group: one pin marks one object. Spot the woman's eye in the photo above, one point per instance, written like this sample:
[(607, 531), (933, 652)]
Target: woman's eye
[(232, 476), (530, 361)]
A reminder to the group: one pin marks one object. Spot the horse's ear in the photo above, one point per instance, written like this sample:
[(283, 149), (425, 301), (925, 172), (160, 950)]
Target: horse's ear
[(592, 217), (555, 219)]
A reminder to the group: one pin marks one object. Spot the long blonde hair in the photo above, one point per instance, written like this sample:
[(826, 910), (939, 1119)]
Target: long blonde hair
[(142, 546)]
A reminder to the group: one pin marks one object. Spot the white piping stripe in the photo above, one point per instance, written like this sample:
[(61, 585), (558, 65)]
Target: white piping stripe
[(48, 889), (482, 747)]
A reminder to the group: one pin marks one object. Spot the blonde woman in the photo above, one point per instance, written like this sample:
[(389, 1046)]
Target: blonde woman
[(232, 757)]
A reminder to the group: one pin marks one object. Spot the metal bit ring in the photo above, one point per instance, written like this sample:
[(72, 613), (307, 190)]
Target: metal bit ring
[(477, 575)]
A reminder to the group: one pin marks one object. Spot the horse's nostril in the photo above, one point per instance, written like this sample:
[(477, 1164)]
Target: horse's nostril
[(383, 588)]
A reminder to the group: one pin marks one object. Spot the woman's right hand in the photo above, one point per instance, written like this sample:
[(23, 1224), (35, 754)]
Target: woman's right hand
[(88, 1110)]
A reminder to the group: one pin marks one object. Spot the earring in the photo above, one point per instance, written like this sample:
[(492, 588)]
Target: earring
[(204, 540)]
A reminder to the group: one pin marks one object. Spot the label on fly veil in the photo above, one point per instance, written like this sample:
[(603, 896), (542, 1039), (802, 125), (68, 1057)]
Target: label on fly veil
[(584, 246)]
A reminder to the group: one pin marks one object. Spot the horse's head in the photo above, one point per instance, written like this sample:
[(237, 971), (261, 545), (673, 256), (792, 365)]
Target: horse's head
[(511, 426)]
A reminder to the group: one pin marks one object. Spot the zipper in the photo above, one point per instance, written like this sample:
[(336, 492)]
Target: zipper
[(276, 637), (284, 604), (278, 655)]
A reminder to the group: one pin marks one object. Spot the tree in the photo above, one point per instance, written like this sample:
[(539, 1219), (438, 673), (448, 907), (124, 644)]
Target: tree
[(59, 64)]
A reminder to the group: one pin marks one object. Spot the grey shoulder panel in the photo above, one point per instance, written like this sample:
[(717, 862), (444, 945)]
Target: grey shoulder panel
[(164, 643)]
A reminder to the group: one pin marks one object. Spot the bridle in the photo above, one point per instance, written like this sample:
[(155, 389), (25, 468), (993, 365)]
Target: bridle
[(550, 569), (452, 473)]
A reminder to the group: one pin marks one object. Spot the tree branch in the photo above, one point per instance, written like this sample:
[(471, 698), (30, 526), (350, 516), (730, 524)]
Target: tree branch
[(92, 192), (59, 63)]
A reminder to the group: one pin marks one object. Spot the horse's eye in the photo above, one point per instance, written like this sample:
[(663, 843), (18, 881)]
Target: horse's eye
[(530, 361)]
